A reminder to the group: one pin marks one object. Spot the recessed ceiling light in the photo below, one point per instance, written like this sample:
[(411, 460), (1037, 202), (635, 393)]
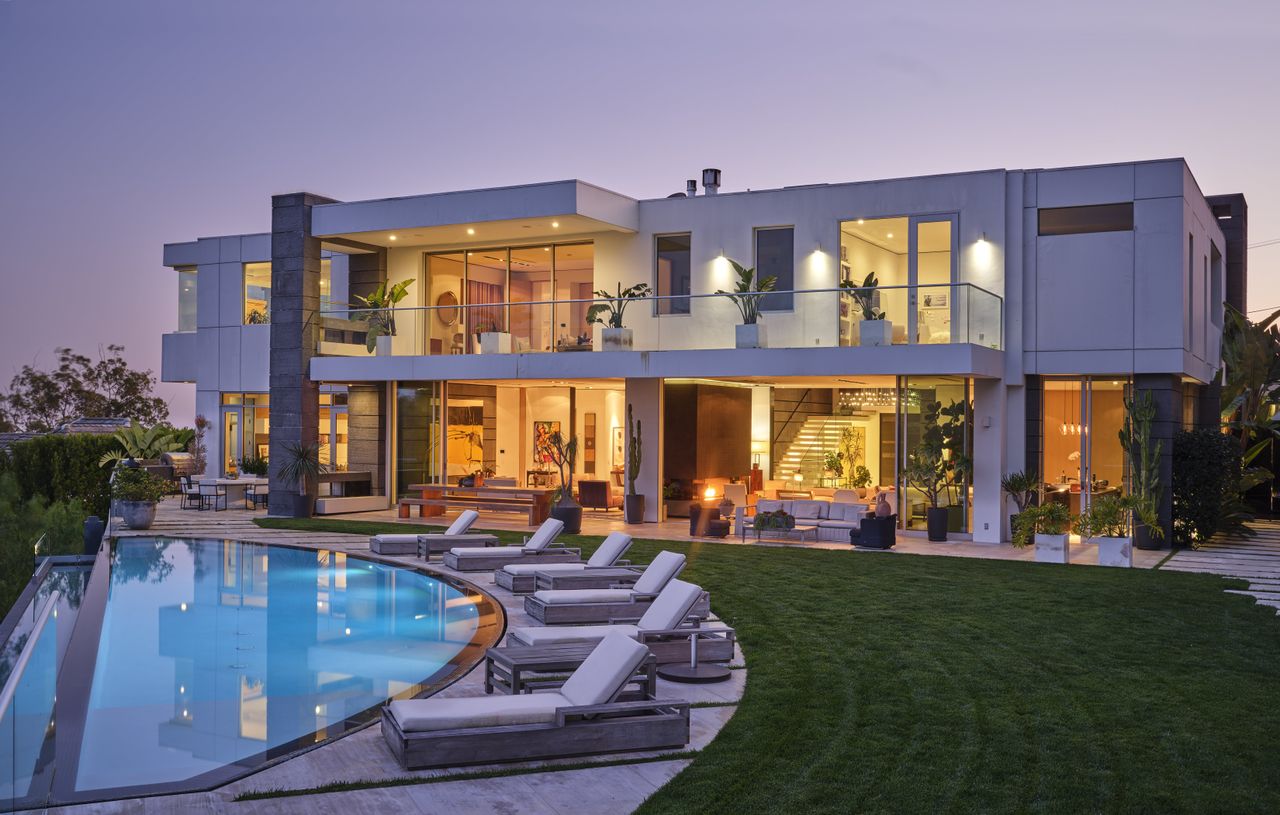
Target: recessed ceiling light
[(470, 231), (890, 235), (555, 224), (391, 237), (860, 222)]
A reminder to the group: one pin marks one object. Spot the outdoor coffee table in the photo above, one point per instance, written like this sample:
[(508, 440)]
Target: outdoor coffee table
[(605, 578), (509, 669), (799, 530)]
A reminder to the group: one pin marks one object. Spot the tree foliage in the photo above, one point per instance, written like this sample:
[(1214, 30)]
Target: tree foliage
[(42, 401), (23, 520)]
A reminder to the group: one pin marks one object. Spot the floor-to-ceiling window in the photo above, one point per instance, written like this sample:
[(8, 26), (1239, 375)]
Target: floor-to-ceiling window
[(934, 413), (530, 288), (333, 431), (574, 278), (246, 429), (418, 422), (1081, 456)]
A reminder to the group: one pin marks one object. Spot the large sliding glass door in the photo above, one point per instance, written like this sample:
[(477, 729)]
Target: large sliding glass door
[(419, 425), (1081, 456), (936, 411)]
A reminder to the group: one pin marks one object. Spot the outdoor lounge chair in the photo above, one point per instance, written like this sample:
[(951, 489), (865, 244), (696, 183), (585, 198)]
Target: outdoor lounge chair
[(557, 607), (425, 545), (666, 628), (581, 717), (521, 578), (539, 548)]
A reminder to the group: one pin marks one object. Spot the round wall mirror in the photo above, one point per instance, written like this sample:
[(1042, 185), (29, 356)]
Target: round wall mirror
[(447, 310)]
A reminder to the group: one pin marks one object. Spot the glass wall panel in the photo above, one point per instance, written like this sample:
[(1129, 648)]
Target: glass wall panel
[(875, 246), (935, 300), (1081, 453), (673, 275), (575, 275), (486, 291), (418, 430), (1106, 418), (257, 293), (530, 282), (935, 410), (446, 324), (186, 299)]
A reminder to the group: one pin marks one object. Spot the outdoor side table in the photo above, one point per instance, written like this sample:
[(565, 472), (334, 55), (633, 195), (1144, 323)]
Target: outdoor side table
[(516, 669)]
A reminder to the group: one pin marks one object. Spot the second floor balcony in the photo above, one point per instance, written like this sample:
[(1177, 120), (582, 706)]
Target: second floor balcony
[(946, 314)]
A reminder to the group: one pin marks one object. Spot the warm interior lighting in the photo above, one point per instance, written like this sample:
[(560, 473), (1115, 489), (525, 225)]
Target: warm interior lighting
[(391, 237), (861, 222), (709, 492), (555, 224), (799, 478), (470, 231), (890, 235)]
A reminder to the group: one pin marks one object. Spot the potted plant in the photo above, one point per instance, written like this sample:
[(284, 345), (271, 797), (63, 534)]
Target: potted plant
[(873, 328), (1047, 525), (1022, 488), (926, 471), (633, 502), (564, 454), (485, 471), (860, 480), (833, 464), (615, 337), (254, 465), (1146, 489), (1106, 523), (746, 296), (137, 492), (381, 315), (302, 468)]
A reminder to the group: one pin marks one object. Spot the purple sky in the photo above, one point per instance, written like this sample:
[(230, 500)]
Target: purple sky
[(126, 124)]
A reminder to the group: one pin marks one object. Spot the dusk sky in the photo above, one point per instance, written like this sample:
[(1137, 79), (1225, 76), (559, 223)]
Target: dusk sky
[(128, 124)]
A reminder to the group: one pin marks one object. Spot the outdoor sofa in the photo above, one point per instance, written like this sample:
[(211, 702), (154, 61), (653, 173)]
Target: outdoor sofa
[(833, 519), (522, 578)]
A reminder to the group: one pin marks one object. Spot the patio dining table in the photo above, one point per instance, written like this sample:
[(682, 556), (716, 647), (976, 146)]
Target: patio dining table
[(235, 487)]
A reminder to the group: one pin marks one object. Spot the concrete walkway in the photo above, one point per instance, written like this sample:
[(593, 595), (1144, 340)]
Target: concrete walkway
[(1255, 559), (362, 756)]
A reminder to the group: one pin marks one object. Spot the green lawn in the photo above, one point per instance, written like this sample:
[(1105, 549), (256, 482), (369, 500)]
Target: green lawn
[(892, 683)]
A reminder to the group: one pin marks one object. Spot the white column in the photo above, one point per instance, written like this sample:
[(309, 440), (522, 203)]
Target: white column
[(644, 397), (988, 460)]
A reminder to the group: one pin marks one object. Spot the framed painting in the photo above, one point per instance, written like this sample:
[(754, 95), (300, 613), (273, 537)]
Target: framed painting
[(543, 432)]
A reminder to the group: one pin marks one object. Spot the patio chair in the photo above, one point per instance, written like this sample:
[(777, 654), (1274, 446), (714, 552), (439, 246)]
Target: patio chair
[(581, 717), (666, 627), (255, 495), (597, 495), (211, 494), (540, 548), (521, 578), (458, 534), (190, 494), (561, 606)]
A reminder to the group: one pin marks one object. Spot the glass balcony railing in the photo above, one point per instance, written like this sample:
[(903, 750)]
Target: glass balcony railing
[(818, 318)]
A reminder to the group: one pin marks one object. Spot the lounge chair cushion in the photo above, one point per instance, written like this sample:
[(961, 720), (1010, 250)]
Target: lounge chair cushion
[(395, 538), (546, 533), (611, 548), (556, 635), (463, 522), (560, 597), (534, 568), (602, 674), (464, 551), (484, 711), (661, 571), (670, 607)]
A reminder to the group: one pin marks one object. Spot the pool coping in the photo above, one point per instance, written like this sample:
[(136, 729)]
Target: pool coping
[(82, 653)]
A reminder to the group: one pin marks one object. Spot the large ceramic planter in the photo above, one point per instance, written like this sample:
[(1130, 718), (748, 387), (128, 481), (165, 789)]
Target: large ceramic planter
[(138, 514), (569, 514), (874, 333), (495, 342), (1051, 548), (749, 336), (937, 519), (1115, 552), (1142, 537), (616, 339), (382, 345), (633, 508)]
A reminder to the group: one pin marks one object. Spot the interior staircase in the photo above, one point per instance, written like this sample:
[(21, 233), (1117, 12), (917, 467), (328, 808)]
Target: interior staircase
[(818, 436)]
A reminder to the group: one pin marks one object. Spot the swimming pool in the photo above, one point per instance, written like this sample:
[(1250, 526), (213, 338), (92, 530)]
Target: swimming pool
[(200, 660)]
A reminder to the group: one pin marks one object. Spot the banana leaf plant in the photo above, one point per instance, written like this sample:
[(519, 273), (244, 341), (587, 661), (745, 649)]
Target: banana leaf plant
[(616, 304), (864, 296), (380, 314), (145, 443), (747, 292)]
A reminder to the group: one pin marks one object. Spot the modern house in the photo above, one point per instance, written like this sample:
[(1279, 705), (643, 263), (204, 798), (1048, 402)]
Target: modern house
[(1025, 303)]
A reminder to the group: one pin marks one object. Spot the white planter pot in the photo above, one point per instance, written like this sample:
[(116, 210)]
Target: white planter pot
[(495, 342), (875, 332), (1051, 548), (383, 347), (616, 339), (749, 336), (1115, 552)]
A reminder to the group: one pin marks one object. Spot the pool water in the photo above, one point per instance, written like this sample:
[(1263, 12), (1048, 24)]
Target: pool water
[(216, 656)]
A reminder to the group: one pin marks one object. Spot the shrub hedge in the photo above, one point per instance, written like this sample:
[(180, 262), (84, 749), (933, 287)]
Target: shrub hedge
[(63, 468), (1206, 475)]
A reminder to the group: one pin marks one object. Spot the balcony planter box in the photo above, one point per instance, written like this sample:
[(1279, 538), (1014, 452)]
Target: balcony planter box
[(495, 342), (633, 508), (1115, 552), (616, 339), (138, 514), (1051, 548), (749, 336), (937, 519), (383, 347), (875, 332)]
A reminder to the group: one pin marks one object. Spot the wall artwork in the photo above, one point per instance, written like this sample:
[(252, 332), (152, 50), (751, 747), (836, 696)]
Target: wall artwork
[(619, 451), (543, 433), (589, 443)]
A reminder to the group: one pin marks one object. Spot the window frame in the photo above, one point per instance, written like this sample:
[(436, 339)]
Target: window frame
[(1089, 229), (657, 289)]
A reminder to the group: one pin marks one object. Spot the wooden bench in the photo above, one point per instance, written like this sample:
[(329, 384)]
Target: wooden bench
[(516, 504)]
